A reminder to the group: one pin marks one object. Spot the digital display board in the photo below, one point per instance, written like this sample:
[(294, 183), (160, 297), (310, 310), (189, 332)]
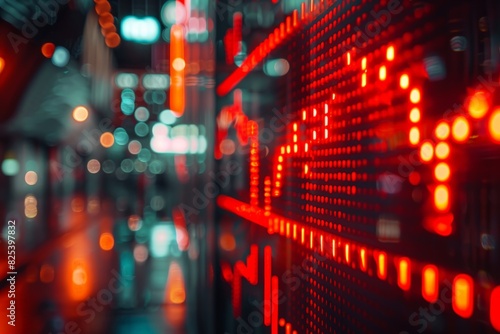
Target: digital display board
[(367, 199)]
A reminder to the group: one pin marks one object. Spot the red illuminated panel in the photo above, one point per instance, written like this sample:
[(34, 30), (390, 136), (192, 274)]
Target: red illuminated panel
[(495, 308), (463, 295), (430, 283)]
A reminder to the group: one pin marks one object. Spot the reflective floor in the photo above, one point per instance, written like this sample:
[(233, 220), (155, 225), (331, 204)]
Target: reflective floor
[(101, 276)]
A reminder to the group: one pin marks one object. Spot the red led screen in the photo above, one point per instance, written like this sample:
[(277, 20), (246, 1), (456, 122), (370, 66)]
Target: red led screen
[(366, 200)]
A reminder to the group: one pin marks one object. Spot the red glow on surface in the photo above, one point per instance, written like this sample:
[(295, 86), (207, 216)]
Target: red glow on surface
[(495, 308), (175, 288), (430, 283), (441, 225), (404, 273), (463, 295)]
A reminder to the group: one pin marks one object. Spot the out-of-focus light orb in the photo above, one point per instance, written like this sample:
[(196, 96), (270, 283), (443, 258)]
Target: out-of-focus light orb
[(404, 81), (442, 130), (415, 115), (145, 30), (134, 147), (102, 7), (156, 167), (127, 165), (139, 166), (79, 276), (78, 204), (442, 150), (127, 80), (112, 40), (178, 64), (161, 236), (141, 114), (390, 55), (141, 129), (442, 171), (415, 95), (173, 12), (2, 64), (60, 58), (47, 273), (108, 166), (121, 136), (80, 114), (10, 167), (30, 206), (134, 223), (494, 125), (441, 197), (426, 151), (478, 105), (276, 67), (227, 146), (141, 253), (144, 155), (157, 203), (460, 129), (127, 105), (31, 178), (107, 139), (414, 135), (167, 117), (227, 242), (93, 166), (160, 130), (106, 241), (48, 50)]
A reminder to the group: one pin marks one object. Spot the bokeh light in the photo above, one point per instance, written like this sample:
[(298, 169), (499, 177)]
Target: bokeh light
[(31, 178), (10, 167), (93, 166), (61, 57), (106, 241), (80, 114), (107, 139), (48, 50)]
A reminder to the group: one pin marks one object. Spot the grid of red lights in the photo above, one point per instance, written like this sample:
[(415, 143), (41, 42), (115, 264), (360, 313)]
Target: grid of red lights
[(320, 136)]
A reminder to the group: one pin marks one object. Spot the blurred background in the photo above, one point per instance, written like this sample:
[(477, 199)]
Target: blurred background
[(241, 166)]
